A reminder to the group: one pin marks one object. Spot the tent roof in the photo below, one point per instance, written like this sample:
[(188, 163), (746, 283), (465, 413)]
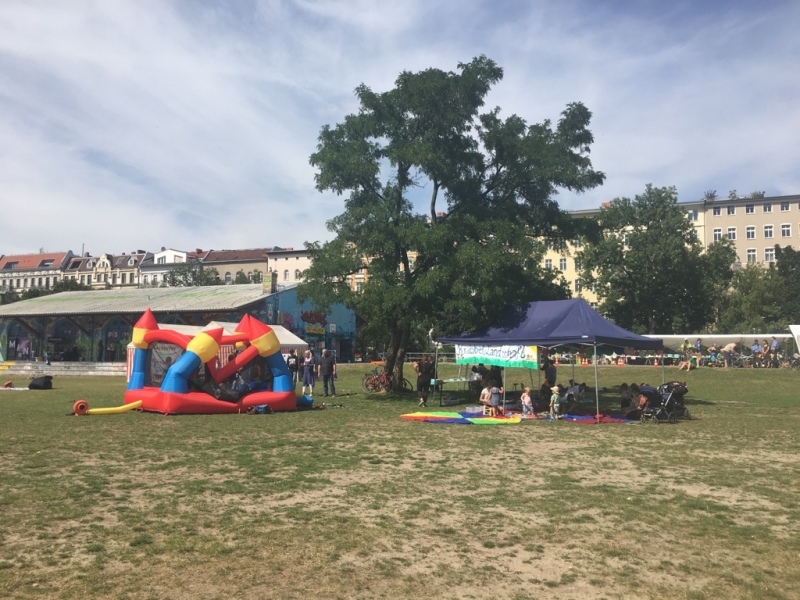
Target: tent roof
[(554, 323)]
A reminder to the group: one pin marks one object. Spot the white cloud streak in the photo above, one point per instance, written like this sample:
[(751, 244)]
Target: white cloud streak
[(128, 125)]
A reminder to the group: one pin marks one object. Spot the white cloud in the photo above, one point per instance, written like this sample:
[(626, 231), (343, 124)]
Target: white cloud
[(138, 125)]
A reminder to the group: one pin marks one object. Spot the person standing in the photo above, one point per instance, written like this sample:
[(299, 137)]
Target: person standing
[(495, 392), (327, 370), (550, 371), (425, 372), (528, 409), (773, 351), (309, 372), (294, 365), (555, 400), (728, 353)]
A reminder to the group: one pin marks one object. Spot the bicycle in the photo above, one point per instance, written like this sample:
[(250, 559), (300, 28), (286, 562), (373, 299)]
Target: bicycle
[(381, 380)]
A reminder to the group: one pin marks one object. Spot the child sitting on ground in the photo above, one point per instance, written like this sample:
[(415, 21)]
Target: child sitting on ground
[(527, 403), (624, 396)]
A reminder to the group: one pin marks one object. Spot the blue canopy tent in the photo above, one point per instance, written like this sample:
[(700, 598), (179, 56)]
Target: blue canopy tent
[(553, 323)]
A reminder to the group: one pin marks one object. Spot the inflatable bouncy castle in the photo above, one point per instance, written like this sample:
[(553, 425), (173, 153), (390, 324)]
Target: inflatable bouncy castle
[(175, 373)]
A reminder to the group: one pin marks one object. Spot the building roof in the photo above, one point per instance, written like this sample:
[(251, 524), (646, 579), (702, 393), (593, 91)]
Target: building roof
[(33, 261), (135, 301), (225, 256)]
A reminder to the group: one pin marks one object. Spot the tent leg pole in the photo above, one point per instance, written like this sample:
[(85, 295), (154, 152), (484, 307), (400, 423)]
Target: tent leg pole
[(596, 384), (505, 369)]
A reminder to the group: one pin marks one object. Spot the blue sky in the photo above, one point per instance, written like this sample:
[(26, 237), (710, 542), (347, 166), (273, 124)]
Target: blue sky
[(128, 125)]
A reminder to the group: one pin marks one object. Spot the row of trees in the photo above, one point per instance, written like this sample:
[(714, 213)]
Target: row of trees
[(489, 185)]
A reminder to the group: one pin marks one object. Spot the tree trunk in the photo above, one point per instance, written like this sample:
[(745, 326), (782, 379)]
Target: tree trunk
[(396, 355)]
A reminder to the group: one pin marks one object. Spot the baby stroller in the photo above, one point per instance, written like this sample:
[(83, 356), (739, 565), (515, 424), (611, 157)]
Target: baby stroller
[(660, 407), (678, 390)]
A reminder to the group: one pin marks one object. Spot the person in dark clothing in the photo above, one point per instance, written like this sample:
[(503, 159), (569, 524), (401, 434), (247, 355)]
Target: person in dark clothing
[(426, 371), (293, 364), (327, 371)]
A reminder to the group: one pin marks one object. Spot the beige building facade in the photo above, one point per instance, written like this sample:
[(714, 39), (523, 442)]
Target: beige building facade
[(755, 225)]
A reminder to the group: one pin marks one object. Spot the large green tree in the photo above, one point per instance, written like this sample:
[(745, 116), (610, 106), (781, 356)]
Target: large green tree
[(488, 187), (192, 275), (753, 304), (649, 269)]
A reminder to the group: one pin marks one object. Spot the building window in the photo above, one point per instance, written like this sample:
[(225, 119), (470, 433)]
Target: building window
[(716, 211), (576, 244), (227, 277), (769, 255), (692, 214), (625, 239), (784, 207), (578, 285), (768, 232), (358, 287), (105, 277), (47, 282), (751, 256), (55, 280), (768, 207), (548, 263), (155, 278), (122, 279), (88, 280), (578, 265), (749, 209), (114, 279), (731, 210), (731, 233), (40, 279), (286, 275), (144, 279), (162, 260), (786, 230), (562, 264), (750, 232), (717, 234), (297, 274), (25, 284)]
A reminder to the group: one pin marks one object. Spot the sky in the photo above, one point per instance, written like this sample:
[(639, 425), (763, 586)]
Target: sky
[(189, 124)]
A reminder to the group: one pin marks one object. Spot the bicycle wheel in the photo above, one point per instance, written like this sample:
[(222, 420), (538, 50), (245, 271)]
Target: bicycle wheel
[(367, 383), (407, 387)]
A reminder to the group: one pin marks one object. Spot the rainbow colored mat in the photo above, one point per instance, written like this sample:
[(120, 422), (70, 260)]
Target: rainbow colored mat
[(463, 418)]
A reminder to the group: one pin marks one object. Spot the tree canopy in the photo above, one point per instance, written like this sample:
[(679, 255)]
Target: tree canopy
[(192, 275), (649, 270), (487, 185)]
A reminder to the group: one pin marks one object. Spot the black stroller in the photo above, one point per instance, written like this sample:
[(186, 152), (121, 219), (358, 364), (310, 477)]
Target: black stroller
[(678, 390), (660, 407)]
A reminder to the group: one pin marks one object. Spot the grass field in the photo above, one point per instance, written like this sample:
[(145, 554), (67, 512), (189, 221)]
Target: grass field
[(354, 502)]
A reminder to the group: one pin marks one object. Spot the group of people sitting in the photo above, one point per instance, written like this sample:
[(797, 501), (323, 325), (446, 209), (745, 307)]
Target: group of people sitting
[(764, 354)]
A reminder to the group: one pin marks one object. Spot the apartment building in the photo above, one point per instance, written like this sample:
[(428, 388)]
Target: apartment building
[(25, 271), (288, 264), (252, 262), (755, 225)]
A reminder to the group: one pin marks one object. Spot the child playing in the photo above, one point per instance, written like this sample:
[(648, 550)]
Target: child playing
[(527, 404), (494, 401), (555, 399)]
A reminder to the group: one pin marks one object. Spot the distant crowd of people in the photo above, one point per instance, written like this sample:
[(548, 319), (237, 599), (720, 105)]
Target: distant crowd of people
[(763, 354)]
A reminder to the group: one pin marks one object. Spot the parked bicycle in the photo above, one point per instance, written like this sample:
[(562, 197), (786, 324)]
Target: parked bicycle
[(381, 380)]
